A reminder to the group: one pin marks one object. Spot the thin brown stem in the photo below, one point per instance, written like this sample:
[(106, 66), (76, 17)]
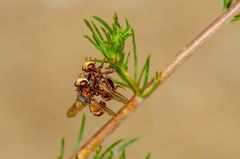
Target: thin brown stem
[(179, 59)]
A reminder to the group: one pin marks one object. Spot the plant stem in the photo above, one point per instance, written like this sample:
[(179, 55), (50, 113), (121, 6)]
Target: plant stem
[(167, 71)]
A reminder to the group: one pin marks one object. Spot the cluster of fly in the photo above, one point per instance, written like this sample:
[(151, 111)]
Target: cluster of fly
[(92, 82)]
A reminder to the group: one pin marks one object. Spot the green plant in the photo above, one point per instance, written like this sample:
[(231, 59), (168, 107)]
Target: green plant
[(61, 155), (109, 153), (110, 41)]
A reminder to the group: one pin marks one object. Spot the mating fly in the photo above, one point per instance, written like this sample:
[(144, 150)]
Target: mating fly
[(94, 82), (96, 108)]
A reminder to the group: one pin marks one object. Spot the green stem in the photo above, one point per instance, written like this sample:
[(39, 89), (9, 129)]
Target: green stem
[(127, 78)]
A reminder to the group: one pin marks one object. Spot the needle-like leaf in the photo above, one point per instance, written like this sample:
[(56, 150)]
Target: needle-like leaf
[(120, 83), (87, 37), (62, 149), (123, 155), (126, 62), (94, 35), (146, 72), (80, 135), (122, 148), (112, 47), (107, 35), (110, 148), (149, 156), (226, 4), (155, 84), (97, 30), (100, 20), (236, 18), (115, 19), (135, 54), (97, 152)]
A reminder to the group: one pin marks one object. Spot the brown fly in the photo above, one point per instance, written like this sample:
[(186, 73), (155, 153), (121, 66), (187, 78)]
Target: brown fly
[(85, 97), (94, 82), (103, 85)]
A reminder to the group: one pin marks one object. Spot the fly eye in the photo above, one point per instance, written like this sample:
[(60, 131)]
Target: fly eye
[(88, 66), (81, 82), (84, 82), (91, 66)]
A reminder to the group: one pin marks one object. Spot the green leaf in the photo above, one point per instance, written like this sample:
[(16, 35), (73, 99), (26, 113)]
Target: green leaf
[(94, 35), (126, 78), (236, 18), (127, 23), (110, 153), (62, 149), (123, 155), (154, 86), (97, 152), (121, 58), (141, 74), (135, 54), (126, 62), (226, 4), (107, 35), (103, 23), (115, 31), (119, 82), (115, 18), (112, 47), (110, 156), (146, 72), (97, 30), (110, 148), (87, 37), (149, 156), (122, 148), (80, 135)]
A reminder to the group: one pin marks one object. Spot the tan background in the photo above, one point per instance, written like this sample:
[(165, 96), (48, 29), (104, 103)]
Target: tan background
[(195, 114)]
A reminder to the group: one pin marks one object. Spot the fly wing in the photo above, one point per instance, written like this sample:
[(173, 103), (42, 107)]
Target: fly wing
[(106, 109), (74, 109), (115, 95), (109, 111)]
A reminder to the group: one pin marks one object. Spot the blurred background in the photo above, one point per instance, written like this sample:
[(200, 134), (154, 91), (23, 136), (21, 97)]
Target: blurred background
[(194, 114)]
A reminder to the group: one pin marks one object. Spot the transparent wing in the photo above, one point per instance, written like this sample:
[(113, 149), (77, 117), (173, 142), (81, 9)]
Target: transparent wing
[(105, 108), (74, 109), (109, 111), (115, 95)]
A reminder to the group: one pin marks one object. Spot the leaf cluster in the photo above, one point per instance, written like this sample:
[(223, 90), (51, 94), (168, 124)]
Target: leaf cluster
[(110, 40), (110, 152), (226, 5)]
